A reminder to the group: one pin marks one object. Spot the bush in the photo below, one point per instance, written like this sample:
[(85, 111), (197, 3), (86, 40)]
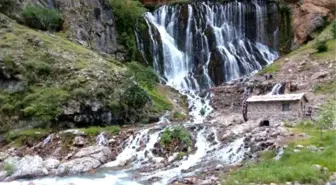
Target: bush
[(135, 97), (41, 18), (179, 134), (126, 13), (321, 46)]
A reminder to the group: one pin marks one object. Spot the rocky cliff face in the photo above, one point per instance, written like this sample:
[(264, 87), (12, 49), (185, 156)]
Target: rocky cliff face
[(309, 16), (90, 23)]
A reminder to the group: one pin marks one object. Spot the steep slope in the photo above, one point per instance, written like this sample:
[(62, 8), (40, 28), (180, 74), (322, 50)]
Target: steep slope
[(47, 80)]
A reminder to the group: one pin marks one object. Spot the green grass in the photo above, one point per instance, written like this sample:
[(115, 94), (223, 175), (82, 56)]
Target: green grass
[(272, 68), (94, 131), (179, 116), (17, 136), (292, 166), (328, 87)]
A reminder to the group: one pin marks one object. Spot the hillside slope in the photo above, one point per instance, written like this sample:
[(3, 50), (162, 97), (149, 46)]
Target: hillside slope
[(47, 80)]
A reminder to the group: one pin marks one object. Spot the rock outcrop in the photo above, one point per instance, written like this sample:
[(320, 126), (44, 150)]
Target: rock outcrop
[(85, 160), (90, 23), (26, 167), (310, 15)]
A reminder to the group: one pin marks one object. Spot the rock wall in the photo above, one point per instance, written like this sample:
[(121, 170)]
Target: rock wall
[(308, 16), (87, 22)]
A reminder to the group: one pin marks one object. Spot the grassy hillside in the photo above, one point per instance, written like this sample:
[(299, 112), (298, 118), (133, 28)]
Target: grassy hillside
[(47, 80)]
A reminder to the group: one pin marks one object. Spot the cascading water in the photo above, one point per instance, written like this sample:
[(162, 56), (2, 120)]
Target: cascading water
[(196, 46), (192, 47), (276, 89)]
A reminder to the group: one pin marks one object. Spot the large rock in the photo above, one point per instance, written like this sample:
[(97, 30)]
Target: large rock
[(26, 167), (309, 16), (51, 163), (85, 160)]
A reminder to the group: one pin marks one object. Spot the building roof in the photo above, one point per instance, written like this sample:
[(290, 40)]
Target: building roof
[(273, 98)]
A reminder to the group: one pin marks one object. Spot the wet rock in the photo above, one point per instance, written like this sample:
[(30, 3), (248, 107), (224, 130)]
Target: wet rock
[(173, 157), (27, 167), (102, 139), (296, 151), (79, 141), (51, 163), (85, 160), (158, 160)]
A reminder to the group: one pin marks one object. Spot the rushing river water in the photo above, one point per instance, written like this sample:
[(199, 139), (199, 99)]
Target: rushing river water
[(182, 58)]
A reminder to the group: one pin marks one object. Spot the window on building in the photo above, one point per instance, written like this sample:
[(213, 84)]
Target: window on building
[(285, 107)]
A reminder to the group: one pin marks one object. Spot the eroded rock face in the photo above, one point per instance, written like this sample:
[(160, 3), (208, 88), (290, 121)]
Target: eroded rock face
[(93, 27), (308, 16), (88, 22), (85, 160)]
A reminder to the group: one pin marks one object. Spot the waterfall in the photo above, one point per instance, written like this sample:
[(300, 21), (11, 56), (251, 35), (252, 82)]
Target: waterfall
[(192, 47), (196, 46)]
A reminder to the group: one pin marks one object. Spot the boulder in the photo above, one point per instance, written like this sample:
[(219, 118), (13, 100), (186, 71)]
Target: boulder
[(102, 139), (85, 160), (26, 167), (79, 141), (51, 163), (308, 17)]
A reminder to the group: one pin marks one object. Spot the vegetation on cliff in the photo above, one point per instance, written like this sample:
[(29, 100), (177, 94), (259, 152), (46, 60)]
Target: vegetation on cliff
[(51, 81), (126, 14), (41, 18)]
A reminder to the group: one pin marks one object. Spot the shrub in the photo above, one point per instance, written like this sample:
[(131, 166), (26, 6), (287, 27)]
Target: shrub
[(321, 46), (126, 14), (135, 97), (41, 18), (178, 133)]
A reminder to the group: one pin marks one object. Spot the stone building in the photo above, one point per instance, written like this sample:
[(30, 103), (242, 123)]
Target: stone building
[(277, 107)]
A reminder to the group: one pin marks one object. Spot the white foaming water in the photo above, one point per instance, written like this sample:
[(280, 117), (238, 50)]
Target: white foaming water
[(138, 149), (275, 89), (117, 179)]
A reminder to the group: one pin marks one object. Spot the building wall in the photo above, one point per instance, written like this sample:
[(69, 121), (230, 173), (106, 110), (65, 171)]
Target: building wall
[(274, 110)]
